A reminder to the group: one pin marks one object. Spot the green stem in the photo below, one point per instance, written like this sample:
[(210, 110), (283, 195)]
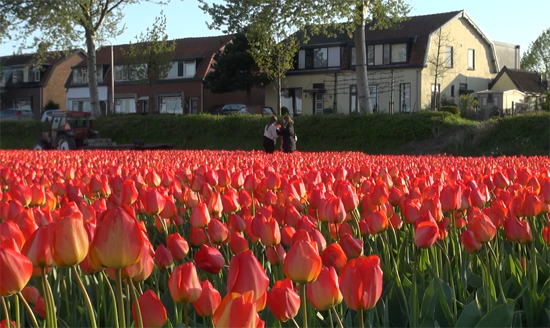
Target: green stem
[(186, 314), (295, 323), (113, 296), (86, 297), (340, 325), (136, 304), (5, 308), (303, 304), (29, 310), (330, 318), (120, 302), (361, 322), (17, 314), (48, 300)]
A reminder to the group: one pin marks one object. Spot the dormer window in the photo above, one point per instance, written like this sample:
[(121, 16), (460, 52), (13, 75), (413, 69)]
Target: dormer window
[(24, 75), (182, 69), (319, 57), (80, 75)]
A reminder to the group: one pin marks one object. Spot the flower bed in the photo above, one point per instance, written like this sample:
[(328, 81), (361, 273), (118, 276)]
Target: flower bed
[(246, 239)]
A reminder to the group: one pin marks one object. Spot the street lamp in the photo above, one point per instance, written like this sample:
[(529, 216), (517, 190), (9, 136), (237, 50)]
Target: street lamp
[(112, 102)]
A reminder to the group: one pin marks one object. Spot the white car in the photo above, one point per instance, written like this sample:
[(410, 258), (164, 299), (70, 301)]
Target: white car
[(47, 115)]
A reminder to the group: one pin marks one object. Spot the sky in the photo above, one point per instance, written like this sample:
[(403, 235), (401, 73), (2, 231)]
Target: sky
[(510, 21)]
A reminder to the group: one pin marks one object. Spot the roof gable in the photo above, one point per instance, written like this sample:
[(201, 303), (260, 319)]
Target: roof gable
[(27, 59), (525, 81)]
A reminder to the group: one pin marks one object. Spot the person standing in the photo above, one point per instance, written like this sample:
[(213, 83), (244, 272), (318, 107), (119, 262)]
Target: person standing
[(289, 137), (270, 135)]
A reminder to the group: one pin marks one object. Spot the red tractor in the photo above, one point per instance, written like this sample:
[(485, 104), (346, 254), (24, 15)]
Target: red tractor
[(71, 130)]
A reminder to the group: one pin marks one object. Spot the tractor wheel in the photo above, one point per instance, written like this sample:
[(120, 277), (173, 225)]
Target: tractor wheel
[(65, 142), (41, 145)]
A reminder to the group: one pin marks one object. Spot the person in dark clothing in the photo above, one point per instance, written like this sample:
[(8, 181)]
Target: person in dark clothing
[(289, 137), (270, 135)]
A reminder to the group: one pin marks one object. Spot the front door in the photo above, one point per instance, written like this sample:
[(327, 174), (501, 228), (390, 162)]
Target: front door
[(319, 103)]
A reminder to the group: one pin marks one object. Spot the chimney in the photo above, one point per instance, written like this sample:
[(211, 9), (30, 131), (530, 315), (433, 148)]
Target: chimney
[(517, 59)]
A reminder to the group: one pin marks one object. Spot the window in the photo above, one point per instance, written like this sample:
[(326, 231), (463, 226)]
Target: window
[(334, 57), (405, 97), (471, 59), (125, 106), (24, 75), (370, 55), (449, 56), (17, 75), (495, 102), (122, 73), (24, 103), (373, 92), (484, 101), (81, 105), (170, 105), (182, 69), (80, 75), (387, 54), (353, 57), (193, 105), (452, 90), (321, 57), (399, 53), (353, 99)]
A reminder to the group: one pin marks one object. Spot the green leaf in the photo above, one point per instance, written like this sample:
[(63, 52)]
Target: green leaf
[(500, 316), (470, 316), (429, 300)]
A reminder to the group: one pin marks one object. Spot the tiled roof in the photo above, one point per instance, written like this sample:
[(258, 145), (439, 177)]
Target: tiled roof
[(419, 27), (525, 81), (27, 59), (203, 48)]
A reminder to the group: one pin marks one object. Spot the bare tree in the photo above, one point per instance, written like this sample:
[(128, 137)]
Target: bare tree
[(440, 62)]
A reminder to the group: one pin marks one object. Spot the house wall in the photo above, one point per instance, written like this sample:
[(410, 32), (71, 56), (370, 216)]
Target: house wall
[(25, 93), (213, 100), (504, 83), (462, 36), (83, 93), (54, 87)]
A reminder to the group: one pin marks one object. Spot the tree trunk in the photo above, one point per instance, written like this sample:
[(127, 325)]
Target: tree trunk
[(279, 95), (363, 96), (92, 76)]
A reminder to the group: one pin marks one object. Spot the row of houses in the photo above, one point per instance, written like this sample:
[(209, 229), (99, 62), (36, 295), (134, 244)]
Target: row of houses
[(401, 74)]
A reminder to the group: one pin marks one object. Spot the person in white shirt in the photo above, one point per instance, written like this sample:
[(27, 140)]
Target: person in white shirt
[(270, 135)]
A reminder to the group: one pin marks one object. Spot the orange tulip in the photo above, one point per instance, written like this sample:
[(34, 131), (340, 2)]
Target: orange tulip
[(10, 229), (245, 274), (209, 300), (283, 301), (302, 263), (377, 222), (236, 303), (70, 240), (324, 292), (184, 283), (214, 204), (16, 269), (270, 235), (361, 282), (153, 312), (38, 248), (117, 230)]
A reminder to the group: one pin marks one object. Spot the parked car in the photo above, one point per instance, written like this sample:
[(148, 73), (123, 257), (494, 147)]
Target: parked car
[(231, 109), (47, 115), (16, 114), (257, 110)]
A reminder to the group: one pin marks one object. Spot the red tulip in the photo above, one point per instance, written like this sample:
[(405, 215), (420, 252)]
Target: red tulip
[(238, 243), (380, 193), (117, 230), (214, 204), (245, 274), (361, 282), (199, 216), (153, 201), (334, 256), (40, 307), (209, 300), (283, 301), (353, 247), (10, 229), (426, 231), (324, 292), (483, 228), (450, 198), (16, 269), (184, 283), (30, 294), (217, 231), (377, 222), (177, 245), (469, 241), (517, 230), (209, 259), (197, 237), (546, 235), (270, 235), (38, 248), (300, 253), (153, 312), (163, 257), (230, 201)]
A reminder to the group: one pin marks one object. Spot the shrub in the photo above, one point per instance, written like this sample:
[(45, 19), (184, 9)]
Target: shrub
[(284, 111), (451, 109), (51, 105)]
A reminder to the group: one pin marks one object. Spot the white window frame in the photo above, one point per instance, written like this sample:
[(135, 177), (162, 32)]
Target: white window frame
[(449, 57), (398, 53), (484, 101), (122, 73), (189, 68), (405, 97), (471, 59), (80, 75)]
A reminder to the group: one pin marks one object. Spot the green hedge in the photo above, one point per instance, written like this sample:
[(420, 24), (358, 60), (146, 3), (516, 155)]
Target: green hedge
[(425, 132)]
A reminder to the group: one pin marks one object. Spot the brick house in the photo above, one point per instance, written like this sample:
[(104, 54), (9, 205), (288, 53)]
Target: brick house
[(181, 92), (30, 87), (401, 78)]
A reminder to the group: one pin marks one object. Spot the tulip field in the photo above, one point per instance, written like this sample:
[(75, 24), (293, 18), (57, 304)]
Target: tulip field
[(248, 239)]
